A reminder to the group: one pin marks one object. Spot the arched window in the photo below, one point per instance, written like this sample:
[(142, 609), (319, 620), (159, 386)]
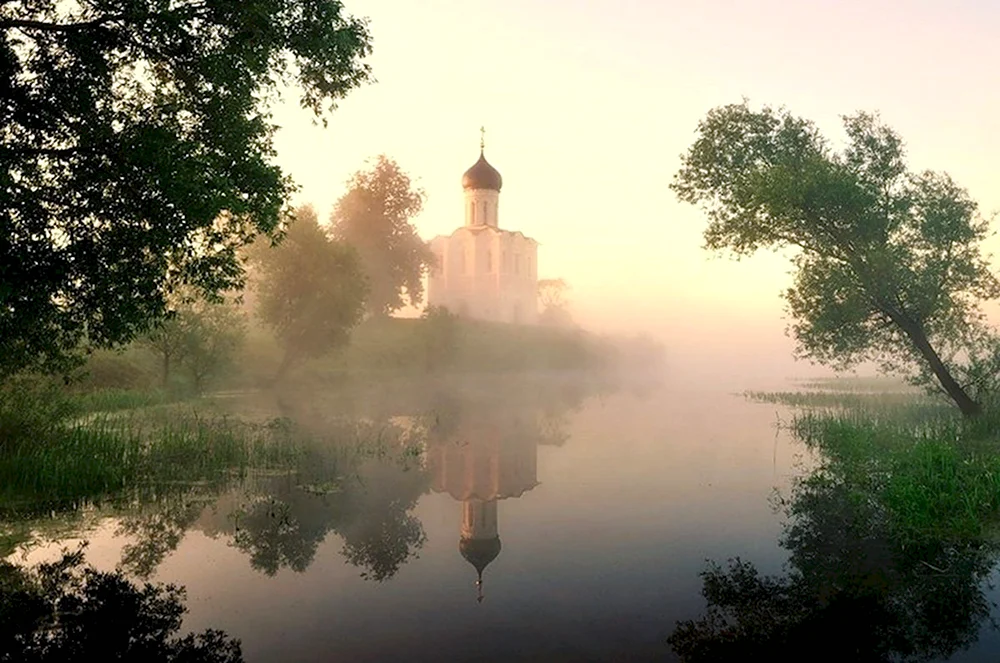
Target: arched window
[(486, 218), (472, 212)]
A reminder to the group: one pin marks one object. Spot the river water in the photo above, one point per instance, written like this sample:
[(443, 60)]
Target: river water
[(589, 508)]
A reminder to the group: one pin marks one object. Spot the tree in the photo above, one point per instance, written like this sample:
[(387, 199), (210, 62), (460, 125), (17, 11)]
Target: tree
[(311, 290), (200, 336), (374, 217), (137, 154), (65, 610), (888, 261), (552, 294), (215, 335)]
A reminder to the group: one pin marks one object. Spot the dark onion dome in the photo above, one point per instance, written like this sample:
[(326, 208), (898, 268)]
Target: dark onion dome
[(482, 176), (479, 552)]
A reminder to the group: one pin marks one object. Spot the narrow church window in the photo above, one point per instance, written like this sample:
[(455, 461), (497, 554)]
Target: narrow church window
[(503, 266), (489, 261), (472, 212), (517, 264), (486, 217)]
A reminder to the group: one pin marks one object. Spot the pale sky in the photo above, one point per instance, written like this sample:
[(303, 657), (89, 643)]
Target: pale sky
[(588, 105)]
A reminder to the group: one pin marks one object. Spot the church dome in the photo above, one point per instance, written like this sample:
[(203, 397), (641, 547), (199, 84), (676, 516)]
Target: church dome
[(482, 176), (480, 552)]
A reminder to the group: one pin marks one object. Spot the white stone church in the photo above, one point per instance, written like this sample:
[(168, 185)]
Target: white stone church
[(484, 271)]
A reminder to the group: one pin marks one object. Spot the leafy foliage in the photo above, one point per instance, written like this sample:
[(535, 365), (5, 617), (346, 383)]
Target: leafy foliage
[(374, 217), (890, 549), (888, 264), (311, 290), (65, 611), (137, 154), (202, 337)]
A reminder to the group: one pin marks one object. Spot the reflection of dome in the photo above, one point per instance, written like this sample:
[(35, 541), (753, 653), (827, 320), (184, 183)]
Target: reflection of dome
[(480, 552), (482, 176)]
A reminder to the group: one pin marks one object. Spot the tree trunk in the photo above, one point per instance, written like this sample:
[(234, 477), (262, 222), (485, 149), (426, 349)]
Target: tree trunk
[(166, 370), (916, 334)]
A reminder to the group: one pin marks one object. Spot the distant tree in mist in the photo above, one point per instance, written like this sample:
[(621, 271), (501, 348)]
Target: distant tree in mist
[(136, 154), (310, 290), (553, 295), (888, 261), (374, 217), (199, 337)]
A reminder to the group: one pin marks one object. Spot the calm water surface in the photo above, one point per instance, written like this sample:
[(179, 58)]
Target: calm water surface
[(589, 510)]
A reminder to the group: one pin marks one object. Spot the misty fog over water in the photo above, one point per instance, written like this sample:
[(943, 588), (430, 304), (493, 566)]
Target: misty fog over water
[(607, 497)]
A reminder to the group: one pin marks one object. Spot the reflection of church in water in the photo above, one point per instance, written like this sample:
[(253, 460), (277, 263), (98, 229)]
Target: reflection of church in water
[(481, 466)]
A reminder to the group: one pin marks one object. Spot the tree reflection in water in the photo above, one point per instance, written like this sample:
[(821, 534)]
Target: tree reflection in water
[(361, 488), (359, 477), (66, 611), (851, 588), (285, 523)]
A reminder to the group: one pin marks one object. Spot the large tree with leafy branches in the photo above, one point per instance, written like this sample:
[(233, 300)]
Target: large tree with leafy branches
[(888, 260), (136, 154), (374, 217), (310, 289)]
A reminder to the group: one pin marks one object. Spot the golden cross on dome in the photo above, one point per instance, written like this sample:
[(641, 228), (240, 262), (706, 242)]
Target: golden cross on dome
[(482, 138)]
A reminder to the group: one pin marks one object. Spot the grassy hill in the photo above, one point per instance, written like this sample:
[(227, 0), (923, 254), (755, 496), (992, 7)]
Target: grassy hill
[(416, 345), (388, 347)]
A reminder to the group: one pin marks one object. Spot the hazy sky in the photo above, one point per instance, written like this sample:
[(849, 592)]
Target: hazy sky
[(588, 105)]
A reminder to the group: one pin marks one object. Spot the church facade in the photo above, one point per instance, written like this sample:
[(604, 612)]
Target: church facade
[(484, 271)]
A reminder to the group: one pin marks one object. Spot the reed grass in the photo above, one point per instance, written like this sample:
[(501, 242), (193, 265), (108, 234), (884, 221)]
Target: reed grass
[(935, 475), (852, 400), (114, 399), (99, 456), (856, 383)]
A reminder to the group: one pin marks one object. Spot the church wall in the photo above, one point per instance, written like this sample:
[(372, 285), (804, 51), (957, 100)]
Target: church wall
[(519, 279), (466, 285), (486, 275)]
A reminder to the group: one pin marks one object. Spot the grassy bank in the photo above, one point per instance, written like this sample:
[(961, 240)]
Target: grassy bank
[(399, 346), (936, 478), (891, 539), (120, 455), (117, 429), (378, 348), (930, 472)]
